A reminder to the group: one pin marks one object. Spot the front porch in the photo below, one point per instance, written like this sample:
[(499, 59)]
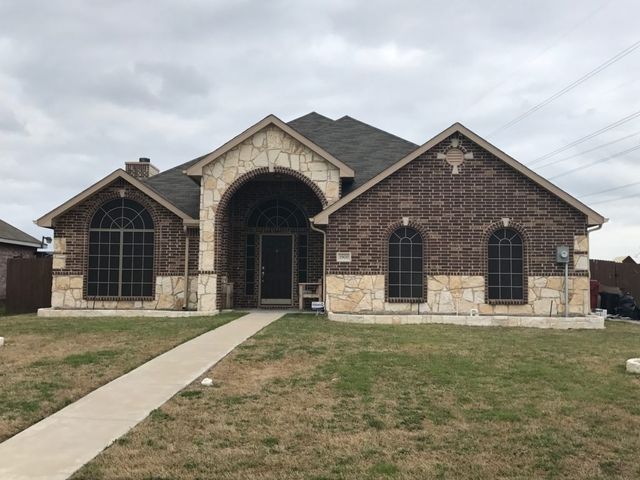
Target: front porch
[(266, 248)]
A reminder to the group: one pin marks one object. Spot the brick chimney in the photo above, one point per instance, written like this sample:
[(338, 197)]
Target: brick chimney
[(141, 169)]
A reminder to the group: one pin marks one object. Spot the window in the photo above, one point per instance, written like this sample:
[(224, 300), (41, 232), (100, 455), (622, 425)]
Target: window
[(277, 213), (303, 247), (405, 264), (250, 265), (121, 241), (506, 271)]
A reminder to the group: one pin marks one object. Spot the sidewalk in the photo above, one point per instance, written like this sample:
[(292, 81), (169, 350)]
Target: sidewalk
[(58, 445)]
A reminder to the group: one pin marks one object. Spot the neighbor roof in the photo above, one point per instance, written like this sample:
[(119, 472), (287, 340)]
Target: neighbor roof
[(14, 236)]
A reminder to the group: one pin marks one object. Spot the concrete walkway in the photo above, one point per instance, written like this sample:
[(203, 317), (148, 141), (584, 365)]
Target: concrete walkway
[(57, 446)]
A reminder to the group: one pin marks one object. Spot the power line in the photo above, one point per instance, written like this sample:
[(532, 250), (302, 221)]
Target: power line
[(617, 57), (609, 190), (588, 151), (549, 47), (604, 129), (635, 195), (581, 167)]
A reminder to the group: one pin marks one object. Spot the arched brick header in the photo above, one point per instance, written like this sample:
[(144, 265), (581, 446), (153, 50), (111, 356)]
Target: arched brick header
[(526, 242), (138, 197), (221, 211), (240, 181)]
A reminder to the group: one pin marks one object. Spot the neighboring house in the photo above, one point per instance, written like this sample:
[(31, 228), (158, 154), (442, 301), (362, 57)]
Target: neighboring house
[(625, 259), (454, 226), (13, 243)]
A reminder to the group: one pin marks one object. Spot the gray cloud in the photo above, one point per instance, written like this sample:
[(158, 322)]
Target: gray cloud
[(86, 86)]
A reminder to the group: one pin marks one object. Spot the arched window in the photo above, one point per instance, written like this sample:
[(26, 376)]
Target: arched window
[(277, 213), (405, 264), (121, 251), (505, 269)]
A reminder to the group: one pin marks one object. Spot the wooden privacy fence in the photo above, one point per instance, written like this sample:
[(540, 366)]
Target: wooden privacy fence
[(28, 284), (625, 276)]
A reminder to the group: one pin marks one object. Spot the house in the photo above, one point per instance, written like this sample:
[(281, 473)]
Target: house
[(13, 243), (393, 231), (625, 259)]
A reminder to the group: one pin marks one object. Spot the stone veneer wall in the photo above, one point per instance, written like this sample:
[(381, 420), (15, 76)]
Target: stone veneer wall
[(451, 294), (266, 149), (68, 294)]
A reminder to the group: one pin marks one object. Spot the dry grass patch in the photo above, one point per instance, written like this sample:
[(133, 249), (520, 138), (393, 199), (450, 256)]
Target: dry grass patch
[(311, 399), (47, 363)]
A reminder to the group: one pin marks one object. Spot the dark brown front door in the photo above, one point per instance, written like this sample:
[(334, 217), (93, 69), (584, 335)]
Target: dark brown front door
[(276, 274)]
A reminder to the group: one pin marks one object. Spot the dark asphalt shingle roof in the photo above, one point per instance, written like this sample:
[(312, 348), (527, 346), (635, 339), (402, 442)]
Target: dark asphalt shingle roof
[(11, 233), (366, 149), (180, 189)]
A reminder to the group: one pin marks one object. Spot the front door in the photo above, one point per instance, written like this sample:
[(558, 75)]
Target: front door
[(276, 274)]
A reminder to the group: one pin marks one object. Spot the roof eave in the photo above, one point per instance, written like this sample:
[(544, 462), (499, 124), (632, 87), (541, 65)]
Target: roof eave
[(10, 241), (593, 217), (46, 221), (195, 170)]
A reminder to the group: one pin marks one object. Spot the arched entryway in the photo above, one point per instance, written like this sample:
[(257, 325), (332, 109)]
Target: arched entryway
[(266, 246)]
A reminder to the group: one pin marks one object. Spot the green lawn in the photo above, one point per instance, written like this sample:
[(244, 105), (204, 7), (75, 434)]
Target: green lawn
[(311, 399), (47, 363)]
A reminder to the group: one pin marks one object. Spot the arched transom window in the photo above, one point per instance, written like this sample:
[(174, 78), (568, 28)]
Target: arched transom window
[(505, 268), (405, 264), (121, 241), (277, 213)]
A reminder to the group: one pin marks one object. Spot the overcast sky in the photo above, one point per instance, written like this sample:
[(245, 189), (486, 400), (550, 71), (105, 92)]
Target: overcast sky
[(86, 86)]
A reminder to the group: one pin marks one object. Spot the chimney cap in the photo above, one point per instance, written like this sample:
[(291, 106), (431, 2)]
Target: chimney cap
[(144, 160)]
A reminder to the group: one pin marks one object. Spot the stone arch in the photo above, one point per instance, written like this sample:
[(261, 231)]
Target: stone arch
[(221, 210)]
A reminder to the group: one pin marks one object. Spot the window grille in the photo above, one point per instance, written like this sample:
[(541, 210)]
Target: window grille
[(121, 251), (405, 264), (505, 265)]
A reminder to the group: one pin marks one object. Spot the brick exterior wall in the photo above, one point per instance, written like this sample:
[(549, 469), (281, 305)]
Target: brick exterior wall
[(73, 227), (455, 213), (232, 231), (8, 251)]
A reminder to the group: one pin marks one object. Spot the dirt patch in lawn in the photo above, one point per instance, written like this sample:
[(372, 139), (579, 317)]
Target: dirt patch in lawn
[(47, 363), (312, 399)]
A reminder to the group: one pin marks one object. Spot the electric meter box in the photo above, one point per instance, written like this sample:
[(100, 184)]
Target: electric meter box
[(562, 254)]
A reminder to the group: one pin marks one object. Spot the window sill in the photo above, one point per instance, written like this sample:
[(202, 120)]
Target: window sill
[(406, 300), (507, 302), (126, 299)]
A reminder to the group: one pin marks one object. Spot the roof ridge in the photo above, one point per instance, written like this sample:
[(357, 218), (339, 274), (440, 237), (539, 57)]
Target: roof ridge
[(312, 113), (347, 117)]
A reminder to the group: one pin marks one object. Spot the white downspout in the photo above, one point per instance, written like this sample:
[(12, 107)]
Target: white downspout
[(324, 259)]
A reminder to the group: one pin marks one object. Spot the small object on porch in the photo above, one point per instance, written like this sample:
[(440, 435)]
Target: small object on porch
[(317, 307), (309, 290), (633, 365), (207, 382), (1, 341)]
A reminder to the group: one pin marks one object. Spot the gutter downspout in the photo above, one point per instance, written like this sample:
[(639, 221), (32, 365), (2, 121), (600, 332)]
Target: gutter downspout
[(186, 269), (324, 260)]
